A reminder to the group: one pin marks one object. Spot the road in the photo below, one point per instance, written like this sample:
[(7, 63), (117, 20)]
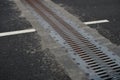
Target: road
[(95, 10), (21, 56)]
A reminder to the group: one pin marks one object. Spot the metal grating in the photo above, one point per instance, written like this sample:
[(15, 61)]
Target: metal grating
[(94, 61)]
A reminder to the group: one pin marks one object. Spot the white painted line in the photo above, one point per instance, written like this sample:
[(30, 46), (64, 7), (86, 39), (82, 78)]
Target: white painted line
[(96, 22), (17, 32)]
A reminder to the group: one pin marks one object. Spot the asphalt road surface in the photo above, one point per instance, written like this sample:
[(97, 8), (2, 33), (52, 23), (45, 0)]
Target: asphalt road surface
[(21, 56), (95, 10)]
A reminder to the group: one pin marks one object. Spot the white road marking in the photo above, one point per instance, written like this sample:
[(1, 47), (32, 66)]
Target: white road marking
[(17, 32), (96, 22)]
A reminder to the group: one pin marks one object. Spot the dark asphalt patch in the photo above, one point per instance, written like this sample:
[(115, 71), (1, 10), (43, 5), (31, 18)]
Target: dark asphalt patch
[(88, 10)]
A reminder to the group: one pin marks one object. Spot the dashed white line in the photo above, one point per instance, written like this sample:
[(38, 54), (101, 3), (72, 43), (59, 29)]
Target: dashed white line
[(96, 22), (17, 32)]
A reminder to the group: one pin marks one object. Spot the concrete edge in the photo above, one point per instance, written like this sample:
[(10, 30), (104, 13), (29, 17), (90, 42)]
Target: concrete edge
[(56, 49), (93, 32)]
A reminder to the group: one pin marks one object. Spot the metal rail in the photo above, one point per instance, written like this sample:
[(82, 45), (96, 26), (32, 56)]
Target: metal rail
[(95, 62)]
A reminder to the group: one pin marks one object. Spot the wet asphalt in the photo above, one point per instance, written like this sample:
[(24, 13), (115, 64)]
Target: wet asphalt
[(21, 56), (92, 10)]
